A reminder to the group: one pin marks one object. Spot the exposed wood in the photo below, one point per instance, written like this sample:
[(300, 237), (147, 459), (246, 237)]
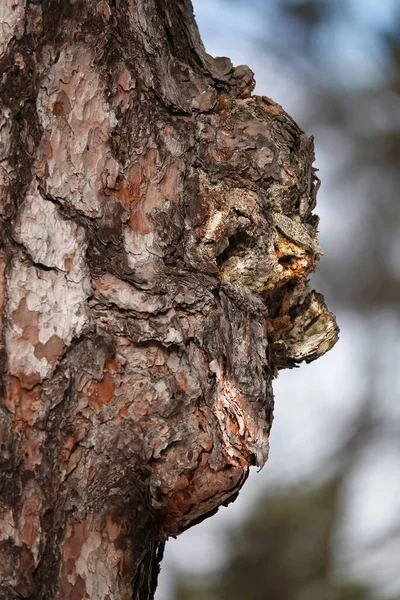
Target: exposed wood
[(156, 240)]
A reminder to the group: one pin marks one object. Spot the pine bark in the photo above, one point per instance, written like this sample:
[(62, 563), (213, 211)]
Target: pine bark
[(156, 240)]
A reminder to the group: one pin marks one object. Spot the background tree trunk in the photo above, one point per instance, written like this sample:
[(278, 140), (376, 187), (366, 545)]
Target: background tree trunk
[(156, 238)]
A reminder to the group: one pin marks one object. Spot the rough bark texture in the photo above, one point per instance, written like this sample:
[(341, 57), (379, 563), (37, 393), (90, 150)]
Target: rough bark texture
[(156, 239)]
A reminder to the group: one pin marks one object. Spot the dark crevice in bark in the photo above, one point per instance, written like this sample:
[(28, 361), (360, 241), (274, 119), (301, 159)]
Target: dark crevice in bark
[(147, 571), (57, 14), (236, 243)]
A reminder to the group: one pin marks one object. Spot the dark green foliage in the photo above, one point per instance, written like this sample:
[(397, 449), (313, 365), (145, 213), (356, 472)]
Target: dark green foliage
[(284, 551)]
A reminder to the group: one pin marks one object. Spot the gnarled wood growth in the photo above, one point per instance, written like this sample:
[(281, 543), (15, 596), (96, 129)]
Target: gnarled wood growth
[(156, 239)]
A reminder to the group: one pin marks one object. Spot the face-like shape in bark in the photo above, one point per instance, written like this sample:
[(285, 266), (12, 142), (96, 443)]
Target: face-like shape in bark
[(174, 286), (226, 238)]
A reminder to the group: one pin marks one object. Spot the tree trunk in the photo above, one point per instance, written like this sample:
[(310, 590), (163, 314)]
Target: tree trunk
[(156, 238)]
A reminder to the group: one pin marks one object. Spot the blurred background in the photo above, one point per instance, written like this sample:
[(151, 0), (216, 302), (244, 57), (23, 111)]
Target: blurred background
[(322, 520)]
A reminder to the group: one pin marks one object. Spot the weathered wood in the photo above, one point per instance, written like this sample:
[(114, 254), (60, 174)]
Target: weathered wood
[(156, 238)]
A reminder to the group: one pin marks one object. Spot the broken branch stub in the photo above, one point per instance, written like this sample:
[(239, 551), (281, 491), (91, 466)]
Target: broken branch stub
[(157, 239)]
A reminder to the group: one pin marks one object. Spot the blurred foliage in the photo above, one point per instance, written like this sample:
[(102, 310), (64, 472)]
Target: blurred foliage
[(282, 552)]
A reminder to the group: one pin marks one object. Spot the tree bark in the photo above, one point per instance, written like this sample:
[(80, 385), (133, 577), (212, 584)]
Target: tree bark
[(156, 239)]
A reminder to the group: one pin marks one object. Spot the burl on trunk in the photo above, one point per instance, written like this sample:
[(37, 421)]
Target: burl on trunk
[(156, 240)]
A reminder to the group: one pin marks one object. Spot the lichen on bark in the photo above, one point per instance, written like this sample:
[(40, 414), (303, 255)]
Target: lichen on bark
[(157, 237)]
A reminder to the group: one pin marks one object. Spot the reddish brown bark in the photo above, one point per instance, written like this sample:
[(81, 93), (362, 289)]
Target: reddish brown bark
[(157, 235)]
